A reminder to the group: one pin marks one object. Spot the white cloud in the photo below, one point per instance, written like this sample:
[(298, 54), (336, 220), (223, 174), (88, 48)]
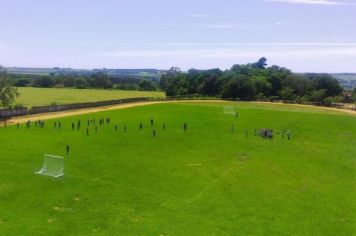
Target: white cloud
[(279, 23), (311, 2)]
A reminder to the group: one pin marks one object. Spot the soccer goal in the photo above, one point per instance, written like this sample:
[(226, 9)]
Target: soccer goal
[(52, 166), (230, 110)]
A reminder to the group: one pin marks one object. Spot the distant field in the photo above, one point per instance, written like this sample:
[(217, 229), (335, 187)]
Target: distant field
[(45, 96)]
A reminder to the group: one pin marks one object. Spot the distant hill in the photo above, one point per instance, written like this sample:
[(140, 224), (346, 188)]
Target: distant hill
[(347, 80), (84, 72)]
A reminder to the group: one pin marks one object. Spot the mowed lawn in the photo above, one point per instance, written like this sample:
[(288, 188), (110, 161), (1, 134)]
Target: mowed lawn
[(208, 181), (45, 96)]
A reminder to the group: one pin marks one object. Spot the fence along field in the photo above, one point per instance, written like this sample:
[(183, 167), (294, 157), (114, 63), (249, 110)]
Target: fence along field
[(8, 113), (208, 180), (40, 100)]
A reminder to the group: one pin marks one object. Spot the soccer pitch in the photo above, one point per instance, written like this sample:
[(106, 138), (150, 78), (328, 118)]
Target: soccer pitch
[(209, 180)]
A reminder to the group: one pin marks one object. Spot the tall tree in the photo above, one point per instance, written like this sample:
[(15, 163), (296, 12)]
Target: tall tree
[(326, 82), (8, 93), (261, 64), (238, 86)]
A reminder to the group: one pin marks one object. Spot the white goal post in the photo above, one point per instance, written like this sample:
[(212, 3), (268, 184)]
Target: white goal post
[(52, 166), (230, 110)]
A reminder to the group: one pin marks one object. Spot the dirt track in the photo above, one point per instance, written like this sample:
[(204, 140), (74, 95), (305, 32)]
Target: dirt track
[(310, 106), (52, 115)]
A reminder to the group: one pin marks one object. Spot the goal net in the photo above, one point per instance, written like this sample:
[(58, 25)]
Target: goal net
[(52, 166), (230, 110)]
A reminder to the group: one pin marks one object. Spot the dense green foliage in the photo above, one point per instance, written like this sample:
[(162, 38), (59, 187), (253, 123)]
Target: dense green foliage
[(208, 181), (99, 79), (252, 81), (8, 92), (147, 85)]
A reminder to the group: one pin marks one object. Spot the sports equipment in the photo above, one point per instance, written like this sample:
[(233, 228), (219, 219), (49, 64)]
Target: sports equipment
[(52, 166), (230, 110)]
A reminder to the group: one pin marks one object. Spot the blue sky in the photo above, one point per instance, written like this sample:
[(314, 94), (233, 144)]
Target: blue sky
[(304, 35)]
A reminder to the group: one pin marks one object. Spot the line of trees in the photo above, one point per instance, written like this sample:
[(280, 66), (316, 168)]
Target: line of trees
[(255, 81), (97, 80)]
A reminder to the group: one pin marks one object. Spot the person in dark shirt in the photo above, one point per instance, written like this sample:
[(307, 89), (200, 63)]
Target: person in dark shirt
[(185, 127), (67, 149)]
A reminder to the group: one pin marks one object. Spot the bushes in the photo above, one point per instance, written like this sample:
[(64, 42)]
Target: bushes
[(287, 94), (22, 83), (17, 106), (81, 83), (44, 82), (147, 85)]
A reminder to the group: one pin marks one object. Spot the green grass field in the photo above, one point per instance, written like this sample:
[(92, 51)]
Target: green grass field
[(45, 96), (208, 181)]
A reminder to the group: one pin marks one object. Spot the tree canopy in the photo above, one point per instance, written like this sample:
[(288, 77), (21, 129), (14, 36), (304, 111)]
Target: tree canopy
[(251, 81), (8, 93)]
